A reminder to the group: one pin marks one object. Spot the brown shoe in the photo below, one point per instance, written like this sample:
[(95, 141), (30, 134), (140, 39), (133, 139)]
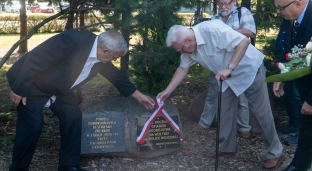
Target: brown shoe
[(198, 128), (245, 134), (212, 154), (273, 163)]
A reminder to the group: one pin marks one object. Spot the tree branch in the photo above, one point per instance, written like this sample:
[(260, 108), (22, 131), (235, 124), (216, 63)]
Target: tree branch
[(33, 31)]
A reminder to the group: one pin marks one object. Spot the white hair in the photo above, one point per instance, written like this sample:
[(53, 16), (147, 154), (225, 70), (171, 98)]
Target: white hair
[(175, 34), (113, 41)]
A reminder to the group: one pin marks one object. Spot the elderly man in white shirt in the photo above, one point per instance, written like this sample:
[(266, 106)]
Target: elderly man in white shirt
[(225, 52)]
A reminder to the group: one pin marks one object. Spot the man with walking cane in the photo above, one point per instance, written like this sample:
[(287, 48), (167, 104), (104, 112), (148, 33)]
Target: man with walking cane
[(225, 52)]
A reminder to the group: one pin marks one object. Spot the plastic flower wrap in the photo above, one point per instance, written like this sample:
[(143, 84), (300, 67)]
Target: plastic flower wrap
[(297, 65)]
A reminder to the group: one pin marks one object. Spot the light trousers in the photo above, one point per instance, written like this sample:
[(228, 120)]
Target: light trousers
[(210, 107), (259, 104)]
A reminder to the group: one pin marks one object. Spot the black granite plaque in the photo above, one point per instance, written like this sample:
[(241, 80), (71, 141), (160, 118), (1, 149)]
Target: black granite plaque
[(103, 133), (160, 135)]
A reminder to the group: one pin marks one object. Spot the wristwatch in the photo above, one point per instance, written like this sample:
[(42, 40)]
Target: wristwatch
[(229, 66)]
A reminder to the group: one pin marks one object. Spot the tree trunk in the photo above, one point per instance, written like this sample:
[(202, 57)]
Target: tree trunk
[(70, 20), (81, 19), (23, 27), (215, 6), (124, 61)]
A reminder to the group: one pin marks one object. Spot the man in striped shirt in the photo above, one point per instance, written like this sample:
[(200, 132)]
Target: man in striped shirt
[(245, 24)]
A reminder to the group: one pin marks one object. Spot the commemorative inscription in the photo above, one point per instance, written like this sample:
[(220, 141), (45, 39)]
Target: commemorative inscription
[(160, 135), (102, 133)]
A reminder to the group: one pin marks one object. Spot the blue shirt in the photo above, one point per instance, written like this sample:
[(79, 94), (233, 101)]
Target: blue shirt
[(246, 21)]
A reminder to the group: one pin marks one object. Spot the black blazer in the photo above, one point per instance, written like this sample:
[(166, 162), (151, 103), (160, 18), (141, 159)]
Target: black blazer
[(285, 42), (54, 66)]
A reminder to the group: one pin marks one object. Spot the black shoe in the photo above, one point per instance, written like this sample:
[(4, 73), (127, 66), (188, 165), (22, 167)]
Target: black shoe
[(292, 141), (291, 168), (67, 168), (288, 131)]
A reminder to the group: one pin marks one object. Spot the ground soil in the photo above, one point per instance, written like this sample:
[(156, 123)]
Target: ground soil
[(250, 153)]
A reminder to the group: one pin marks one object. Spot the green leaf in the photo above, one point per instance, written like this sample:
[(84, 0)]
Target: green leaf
[(295, 60), (291, 75)]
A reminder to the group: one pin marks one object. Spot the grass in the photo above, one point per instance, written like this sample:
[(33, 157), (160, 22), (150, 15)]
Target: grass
[(32, 42)]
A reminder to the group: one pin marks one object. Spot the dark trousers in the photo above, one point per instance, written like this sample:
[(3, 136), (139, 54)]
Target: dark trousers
[(292, 103), (30, 122), (303, 154)]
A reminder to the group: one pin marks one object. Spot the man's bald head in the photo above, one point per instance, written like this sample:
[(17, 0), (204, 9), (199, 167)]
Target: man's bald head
[(290, 9)]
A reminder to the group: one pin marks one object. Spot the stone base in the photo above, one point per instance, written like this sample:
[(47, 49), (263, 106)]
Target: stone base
[(132, 110)]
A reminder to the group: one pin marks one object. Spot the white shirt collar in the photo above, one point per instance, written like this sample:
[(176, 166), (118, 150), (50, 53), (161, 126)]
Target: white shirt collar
[(93, 53), (198, 37)]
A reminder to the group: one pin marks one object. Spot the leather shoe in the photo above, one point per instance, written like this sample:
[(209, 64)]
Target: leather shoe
[(212, 154), (273, 163), (292, 141), (68, 168), (291, 168)]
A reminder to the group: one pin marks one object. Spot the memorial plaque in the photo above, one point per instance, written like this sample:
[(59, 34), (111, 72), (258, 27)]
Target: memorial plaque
[(103, 133), (160, 135)]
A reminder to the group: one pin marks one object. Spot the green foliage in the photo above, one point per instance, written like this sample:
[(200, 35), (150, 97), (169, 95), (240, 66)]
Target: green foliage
[(2, 78), (268, 49), (198, 71), (151, 64), (153, 70), (266, 17), (5, 142)]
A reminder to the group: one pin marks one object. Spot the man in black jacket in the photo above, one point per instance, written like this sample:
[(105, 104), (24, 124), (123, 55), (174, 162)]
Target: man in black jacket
[(47, 76), (291, 98), (298, 13)]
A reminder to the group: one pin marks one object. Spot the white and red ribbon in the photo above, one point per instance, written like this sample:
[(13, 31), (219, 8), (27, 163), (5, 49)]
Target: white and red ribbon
[(159, 111)]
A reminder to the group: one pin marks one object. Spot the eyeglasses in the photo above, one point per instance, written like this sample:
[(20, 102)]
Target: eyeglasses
[(181, 48), (282, 8), (225, 4)]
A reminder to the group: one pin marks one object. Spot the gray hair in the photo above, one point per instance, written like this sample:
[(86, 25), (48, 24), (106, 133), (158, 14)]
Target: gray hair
[(113, 41), (175, 34)]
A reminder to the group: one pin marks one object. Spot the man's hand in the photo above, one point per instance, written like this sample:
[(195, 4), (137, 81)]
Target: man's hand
[(278, 89), (145, 100), (306, 109), (16, 99), (223, 74), (163, 95)]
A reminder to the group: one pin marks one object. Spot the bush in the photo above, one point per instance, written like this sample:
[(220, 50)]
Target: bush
[(271, 56), (153, 70)]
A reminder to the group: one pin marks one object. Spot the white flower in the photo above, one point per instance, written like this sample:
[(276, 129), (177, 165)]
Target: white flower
[(308, 58), (309, 46), (282, 68)]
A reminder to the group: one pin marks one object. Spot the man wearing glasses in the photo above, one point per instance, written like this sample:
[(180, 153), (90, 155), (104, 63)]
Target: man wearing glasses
[(224, 51), (245, 24), (296, 29)]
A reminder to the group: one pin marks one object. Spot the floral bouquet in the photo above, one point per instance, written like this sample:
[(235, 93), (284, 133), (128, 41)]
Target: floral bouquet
[(297, 65)]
